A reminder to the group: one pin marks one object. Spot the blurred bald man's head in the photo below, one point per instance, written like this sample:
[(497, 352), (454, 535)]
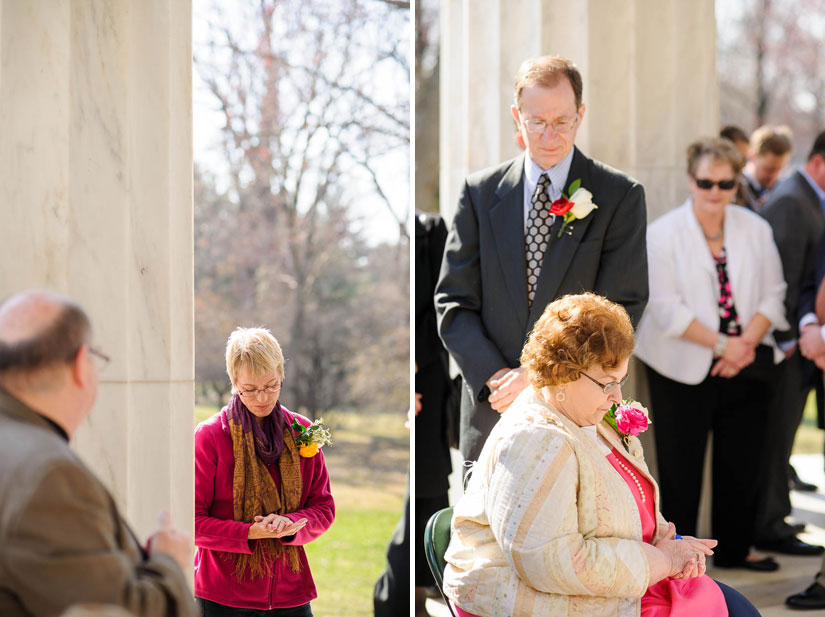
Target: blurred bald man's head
[(44, 355), (39, 330)]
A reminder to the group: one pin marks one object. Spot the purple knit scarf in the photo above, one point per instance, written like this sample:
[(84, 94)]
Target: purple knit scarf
[(269, 438)]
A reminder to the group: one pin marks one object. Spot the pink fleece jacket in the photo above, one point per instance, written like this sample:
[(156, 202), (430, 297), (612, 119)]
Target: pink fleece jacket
[(216, 533)]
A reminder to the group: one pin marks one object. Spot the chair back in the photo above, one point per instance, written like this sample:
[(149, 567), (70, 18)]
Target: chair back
[(436, 540)]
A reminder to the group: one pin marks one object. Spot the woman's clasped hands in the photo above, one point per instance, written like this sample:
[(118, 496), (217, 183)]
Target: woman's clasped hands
[(687, 555), (739, 353), (274, 526)]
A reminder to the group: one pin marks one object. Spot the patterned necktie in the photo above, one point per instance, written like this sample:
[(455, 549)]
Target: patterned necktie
[(538, 231)]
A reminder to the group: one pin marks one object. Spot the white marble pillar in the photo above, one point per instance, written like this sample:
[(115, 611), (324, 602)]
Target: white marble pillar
[(96, 202), (649, 83)]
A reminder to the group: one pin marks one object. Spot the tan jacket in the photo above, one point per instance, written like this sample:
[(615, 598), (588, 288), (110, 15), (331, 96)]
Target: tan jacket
[(62, 540), (547, 527)]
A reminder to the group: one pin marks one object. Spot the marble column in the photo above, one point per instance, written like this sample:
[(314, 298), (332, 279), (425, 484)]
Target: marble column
[(96, 202)]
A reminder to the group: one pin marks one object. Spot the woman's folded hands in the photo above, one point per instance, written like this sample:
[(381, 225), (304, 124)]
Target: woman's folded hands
[(274, 526), (687, 555)]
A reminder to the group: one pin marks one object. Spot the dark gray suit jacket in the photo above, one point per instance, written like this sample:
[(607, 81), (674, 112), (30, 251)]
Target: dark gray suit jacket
[(481, 296), (796, 216)]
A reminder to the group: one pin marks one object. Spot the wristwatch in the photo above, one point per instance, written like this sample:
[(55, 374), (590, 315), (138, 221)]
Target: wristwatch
[(721, 343)]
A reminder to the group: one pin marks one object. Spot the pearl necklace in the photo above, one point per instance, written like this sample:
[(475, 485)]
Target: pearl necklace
[(632, 475)]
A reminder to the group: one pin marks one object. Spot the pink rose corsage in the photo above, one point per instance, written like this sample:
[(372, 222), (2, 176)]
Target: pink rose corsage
[(628, 419)]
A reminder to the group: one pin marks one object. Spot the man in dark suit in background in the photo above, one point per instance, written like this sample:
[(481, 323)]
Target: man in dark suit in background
[(433, 387), (768, 154), (507, 256), (795, 212), (811, 315)]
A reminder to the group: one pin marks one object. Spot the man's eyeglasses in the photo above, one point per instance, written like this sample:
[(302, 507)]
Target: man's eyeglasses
[(607, 388), (255, 392), (560, 125), (706, 185), (104, 359)]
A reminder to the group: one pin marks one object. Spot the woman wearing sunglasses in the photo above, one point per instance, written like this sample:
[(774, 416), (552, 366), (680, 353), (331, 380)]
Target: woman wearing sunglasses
[(716, 294)]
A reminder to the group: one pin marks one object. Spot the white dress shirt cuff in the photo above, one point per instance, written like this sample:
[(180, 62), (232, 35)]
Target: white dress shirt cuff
[(787, 345), (807, 318)]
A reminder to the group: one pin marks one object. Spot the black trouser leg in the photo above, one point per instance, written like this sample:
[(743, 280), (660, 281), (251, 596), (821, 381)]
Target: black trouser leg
[(737, 436), (681, 417)]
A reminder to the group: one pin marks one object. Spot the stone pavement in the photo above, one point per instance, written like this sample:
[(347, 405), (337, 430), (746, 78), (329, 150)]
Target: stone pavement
[(766, 590)]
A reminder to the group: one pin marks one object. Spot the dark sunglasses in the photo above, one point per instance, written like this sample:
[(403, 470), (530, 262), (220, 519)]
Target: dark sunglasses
[(706, 184)]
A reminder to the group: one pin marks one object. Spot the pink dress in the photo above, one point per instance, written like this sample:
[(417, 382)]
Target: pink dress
[(669, 597)]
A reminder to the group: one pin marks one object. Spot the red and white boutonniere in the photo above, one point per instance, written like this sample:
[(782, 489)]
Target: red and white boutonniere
[(577, 206), (628, 419)]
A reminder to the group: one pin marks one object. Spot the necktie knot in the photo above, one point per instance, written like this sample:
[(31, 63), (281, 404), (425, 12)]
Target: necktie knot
[(542, 188)]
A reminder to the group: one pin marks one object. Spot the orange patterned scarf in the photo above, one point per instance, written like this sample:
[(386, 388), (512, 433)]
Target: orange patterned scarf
[(254, 492)]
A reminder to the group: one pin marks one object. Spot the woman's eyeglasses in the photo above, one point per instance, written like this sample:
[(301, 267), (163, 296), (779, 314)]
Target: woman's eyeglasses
[(607, 388), (255, 392), (706, 185)]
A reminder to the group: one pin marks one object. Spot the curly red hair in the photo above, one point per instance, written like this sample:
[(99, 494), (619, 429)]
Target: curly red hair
[(574, 334)]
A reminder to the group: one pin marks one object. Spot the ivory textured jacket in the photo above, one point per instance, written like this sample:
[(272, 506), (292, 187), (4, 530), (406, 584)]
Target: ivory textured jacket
[(547, 527)]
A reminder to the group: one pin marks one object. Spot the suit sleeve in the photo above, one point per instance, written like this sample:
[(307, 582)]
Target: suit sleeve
[(64, 550), (810, 285), (623, 266), (458, 300), (783, 215), (533, 513)]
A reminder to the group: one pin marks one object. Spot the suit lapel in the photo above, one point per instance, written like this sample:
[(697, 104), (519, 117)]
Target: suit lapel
[(507, 222), (560, 251)]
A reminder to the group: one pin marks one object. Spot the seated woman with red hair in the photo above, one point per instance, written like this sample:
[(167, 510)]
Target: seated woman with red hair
[(561, 515)]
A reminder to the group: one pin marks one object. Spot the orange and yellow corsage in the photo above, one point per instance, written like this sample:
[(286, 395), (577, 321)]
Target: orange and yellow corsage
[(310, 439)]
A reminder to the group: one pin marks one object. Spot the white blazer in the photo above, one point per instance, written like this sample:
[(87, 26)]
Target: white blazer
[(684, 286)]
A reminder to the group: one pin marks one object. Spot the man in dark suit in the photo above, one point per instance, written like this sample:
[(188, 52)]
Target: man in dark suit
[(433, 386), (811, 315), (63, 541), (507, 256), (795, 212)]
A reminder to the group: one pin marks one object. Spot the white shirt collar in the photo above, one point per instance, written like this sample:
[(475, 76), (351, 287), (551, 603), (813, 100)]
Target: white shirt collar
[(557, 173), (752, 179)]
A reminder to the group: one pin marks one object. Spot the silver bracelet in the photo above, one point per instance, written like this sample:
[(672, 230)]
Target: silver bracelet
[(721, 343)]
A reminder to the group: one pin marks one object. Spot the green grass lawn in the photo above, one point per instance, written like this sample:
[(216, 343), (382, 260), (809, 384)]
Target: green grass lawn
[(368, 466), (347, 560), (809, 438)]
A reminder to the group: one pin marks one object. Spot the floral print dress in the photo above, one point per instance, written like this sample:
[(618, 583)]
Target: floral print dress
[(728, 319)]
